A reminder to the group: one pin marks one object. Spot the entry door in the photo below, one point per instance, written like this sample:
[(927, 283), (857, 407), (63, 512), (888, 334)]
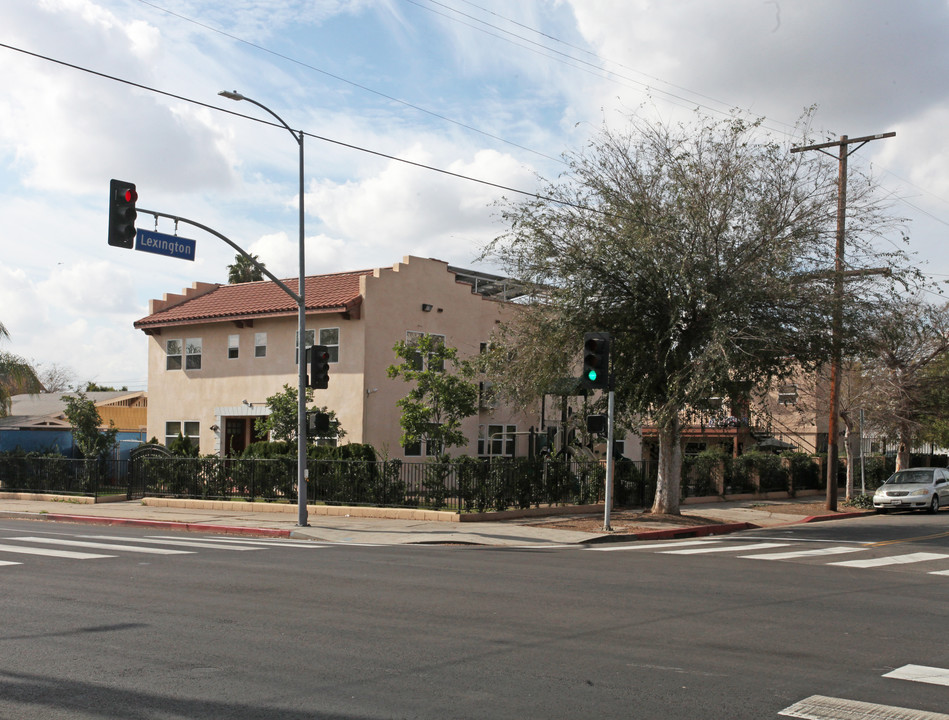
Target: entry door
[(235, 436)]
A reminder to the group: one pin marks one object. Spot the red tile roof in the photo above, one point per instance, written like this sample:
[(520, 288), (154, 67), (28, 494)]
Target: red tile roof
[(246, 301)]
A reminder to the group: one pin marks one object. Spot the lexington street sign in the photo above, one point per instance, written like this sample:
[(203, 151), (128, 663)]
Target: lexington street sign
[(162, 244)]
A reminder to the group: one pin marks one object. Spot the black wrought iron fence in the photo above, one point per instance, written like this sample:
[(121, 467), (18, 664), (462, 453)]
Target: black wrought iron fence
[(63, 476)]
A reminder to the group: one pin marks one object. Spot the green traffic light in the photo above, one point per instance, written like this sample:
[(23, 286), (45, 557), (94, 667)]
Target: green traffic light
[(591, 376)]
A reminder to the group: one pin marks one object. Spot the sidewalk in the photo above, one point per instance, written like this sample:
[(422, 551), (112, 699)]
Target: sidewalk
[(238, 520)]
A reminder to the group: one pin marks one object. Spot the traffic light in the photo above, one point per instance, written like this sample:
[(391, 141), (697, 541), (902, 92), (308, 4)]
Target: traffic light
[(319, 367), (318, 423), (122, 197), (596, 361)]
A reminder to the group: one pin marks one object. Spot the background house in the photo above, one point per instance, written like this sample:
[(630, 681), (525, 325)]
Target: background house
[(216, 352), (36, 423)]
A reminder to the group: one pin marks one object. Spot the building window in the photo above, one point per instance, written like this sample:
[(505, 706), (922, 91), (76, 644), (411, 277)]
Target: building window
[(233, 346), (260, 344), (310, 342), (330, 338), (413, 450), (191, 430), (423, 363), (193, 354), (497, 440), (173, 355)]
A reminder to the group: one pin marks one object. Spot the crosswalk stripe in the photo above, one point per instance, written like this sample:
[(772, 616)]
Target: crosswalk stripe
[(921, 673), (791, 554), (736, 547), (892, 560), (821, 707), (652, 546), (24, 550), (255, 544), (102, 546), (8, 562), (182, 543), (939, 572)]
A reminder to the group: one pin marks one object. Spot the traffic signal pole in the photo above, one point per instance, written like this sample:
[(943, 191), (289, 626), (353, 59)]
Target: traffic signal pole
[(608, 494)]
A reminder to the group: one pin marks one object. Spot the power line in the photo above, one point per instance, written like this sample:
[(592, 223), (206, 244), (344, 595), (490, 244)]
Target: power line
[(365, 88), (323, 138)]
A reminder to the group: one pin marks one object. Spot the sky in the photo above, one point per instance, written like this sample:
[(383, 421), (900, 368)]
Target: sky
[(491, 90)]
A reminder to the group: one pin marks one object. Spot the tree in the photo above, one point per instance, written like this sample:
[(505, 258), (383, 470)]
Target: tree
[(282, 421), (83, 415), (55, 377), (700, 249), (243, 270), (440, 399), (17, 376), (907, 372)]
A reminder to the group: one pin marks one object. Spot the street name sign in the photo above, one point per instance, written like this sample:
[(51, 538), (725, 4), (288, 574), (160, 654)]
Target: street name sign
[(162, 244)]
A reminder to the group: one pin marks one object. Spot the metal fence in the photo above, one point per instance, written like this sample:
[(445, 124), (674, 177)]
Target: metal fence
[(462, 485)]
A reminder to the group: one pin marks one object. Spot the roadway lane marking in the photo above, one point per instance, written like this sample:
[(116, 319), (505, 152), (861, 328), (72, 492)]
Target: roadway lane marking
[(23, 550), (804, 553), (909, 540), (921, 673), (893, 560), (8, 562), (653, 546), (103, 546), (821, 707), (939, 572), (737, 547)]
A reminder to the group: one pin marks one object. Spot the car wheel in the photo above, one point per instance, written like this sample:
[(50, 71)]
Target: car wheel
[(934, 505)]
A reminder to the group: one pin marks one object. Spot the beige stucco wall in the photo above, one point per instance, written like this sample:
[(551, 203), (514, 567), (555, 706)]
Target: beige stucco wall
[(360, 393)]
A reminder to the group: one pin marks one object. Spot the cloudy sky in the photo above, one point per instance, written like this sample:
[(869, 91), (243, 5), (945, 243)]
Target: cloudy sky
[(492, 90)]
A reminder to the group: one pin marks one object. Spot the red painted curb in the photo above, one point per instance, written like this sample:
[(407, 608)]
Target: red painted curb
[(837, 516), (165, 525)]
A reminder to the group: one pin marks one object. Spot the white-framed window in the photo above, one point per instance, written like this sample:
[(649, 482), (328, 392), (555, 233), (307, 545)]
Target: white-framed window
[(193, 354), (260, 345), (497, 440), (173, 354), (233, 347), (310, 342), (419, 362), (187, 428), (330, 338)]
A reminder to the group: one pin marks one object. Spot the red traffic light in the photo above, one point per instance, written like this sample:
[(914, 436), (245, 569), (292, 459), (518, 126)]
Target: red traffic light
[(130, 195)]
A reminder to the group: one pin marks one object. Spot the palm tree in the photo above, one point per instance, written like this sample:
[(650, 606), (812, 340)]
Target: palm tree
[(16, 376), (243, 270)]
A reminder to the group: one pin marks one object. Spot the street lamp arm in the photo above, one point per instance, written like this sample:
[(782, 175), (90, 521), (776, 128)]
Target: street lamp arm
[(234, 95)]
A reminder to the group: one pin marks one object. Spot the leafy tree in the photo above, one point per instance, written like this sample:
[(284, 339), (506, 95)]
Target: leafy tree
[(907, 371), (16, 376), (243, 270), (439, 399), (282, 421), (93, 386), (701, 249), (83, 415)]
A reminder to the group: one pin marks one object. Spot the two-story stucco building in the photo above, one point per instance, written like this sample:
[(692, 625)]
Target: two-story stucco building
[(216, 352)]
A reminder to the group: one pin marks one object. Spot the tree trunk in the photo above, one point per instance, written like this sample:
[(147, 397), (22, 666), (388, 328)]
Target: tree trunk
[(903, 458), (669, 483), (852, 448)]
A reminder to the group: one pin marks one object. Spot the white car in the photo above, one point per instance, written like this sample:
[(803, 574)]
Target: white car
[(913, 489)]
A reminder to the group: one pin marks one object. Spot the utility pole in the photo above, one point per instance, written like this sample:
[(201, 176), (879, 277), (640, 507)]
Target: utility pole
[(844, 152)]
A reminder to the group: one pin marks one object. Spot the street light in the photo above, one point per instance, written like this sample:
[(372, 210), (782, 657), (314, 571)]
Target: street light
[(301, 306)]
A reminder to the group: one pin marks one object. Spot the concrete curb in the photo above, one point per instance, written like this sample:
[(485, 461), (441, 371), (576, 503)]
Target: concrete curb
[(838, 516), (673, 533), (154, 524)]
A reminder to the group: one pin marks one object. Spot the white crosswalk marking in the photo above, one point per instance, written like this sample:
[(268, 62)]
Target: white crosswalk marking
[(892, 560), (734, 547), (821, 707), (260, 542), (102, 546), (921, 673), (7, 562), (653, 546), (182, 543), (792, 554), (24, 550)]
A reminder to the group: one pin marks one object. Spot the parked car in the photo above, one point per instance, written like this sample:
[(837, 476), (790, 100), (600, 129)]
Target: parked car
[(913, 489)]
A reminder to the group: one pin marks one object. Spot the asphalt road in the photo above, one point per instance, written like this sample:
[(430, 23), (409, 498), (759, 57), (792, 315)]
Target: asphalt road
[(304, 631)]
